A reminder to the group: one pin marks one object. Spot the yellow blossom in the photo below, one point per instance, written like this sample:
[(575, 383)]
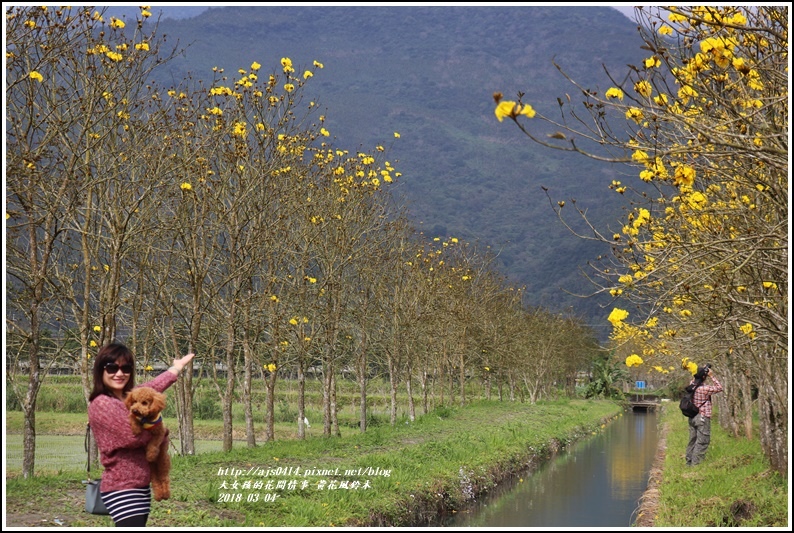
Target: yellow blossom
[(686, 92), (307, 75), (396, 135), (639, 156), (652, 62), (116, 23), (644, 88), (255, 66), (684, 176), (142, 46), (240, 129), (289, 87), (617, 316), (186, 186), (633, 360), (614, 92), (527, 111), (634, 114), (35, 76), (747, 329), (504, 109), (97, 329)]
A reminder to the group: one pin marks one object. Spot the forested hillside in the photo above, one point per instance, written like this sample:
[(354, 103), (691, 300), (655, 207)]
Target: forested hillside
[(429, 73)]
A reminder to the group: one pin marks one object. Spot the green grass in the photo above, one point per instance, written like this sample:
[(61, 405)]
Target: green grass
[(733, 486), (432, 464)]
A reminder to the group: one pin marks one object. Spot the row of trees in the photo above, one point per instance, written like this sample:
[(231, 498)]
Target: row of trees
[(699, 268), (217, 217)]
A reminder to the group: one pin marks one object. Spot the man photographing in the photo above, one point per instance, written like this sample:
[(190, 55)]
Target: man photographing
[(700, 424)]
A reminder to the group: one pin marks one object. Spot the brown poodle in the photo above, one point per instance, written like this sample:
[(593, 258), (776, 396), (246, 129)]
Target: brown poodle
[(145, 405)]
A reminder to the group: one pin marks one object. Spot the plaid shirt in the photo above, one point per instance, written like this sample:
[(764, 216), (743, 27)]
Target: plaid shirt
[(703, 394)]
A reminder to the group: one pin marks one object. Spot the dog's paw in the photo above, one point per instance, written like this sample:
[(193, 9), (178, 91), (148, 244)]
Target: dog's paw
[(152, 452)]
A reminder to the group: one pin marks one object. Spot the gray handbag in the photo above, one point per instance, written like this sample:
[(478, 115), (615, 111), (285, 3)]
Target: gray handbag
[(93, 499)]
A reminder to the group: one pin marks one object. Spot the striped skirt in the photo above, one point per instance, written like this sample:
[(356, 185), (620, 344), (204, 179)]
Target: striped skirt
[(123, 504)]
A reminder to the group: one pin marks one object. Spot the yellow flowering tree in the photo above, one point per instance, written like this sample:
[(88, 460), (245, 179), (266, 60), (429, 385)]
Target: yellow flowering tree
[(76, 201), (705, 256)]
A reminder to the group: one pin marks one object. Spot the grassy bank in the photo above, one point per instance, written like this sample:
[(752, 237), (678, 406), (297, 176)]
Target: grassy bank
[(734, 486), (398, 476)]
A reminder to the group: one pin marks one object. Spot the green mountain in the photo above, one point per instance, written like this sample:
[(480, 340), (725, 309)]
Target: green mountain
[(429, 73)]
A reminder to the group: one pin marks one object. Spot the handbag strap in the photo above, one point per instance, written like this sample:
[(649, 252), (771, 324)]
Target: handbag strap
[(87, 452)]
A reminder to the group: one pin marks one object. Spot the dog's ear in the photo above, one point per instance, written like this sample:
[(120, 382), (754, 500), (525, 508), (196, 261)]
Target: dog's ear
[(129, 400), (158, 401)]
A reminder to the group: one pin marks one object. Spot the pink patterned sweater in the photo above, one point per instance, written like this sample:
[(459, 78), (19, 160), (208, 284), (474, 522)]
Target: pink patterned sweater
[(122, 454)]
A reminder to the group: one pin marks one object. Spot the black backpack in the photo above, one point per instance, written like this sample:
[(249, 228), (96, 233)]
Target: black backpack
[(687, 403)]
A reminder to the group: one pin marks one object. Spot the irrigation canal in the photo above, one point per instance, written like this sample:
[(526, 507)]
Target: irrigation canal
[(597, 482)]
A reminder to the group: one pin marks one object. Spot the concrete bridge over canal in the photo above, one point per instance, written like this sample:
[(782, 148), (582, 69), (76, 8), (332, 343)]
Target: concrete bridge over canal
[(643, 402)]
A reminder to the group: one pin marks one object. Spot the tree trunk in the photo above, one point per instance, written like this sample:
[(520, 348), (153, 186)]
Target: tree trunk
[(409, 390), (462, 374), (333, 407), (424, 392), (327, 373), (250, 435), (361, 370), (270, 407), (773, 413), (228, 395), (392, 391), (747, 394), (29, 439), (440, 381), (301, 398)]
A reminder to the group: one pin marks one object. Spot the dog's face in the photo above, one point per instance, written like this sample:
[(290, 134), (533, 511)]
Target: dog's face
[(145, 402)]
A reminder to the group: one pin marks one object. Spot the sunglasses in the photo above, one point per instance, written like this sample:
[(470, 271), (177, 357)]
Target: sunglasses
[(112, 368)]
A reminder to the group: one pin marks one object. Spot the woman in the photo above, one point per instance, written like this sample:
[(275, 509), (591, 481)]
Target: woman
[(125, 481)]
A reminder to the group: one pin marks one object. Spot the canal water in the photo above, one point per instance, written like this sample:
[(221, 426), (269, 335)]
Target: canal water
[(596, 482)]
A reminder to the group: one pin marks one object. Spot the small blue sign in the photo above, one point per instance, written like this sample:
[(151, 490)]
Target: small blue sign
[(640, 384)]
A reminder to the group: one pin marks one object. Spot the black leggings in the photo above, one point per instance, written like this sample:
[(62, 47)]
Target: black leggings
[(133, 521)]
